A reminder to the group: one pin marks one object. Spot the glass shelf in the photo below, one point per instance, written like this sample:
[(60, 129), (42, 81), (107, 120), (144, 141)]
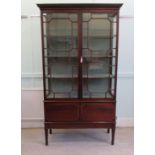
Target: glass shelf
[(62, 95), (87, 53), (88, 56), (95, 76), (97, 94), (85, 95), (64, 38)]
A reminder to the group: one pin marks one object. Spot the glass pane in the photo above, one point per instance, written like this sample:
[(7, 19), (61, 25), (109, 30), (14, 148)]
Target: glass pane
[(60, 49), (99, 55)]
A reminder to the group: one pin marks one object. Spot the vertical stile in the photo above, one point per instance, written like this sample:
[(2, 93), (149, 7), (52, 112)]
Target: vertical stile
[(80, 54)]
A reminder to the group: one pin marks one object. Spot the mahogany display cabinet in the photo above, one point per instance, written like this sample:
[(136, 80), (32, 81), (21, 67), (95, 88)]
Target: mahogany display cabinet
[(80, 57)]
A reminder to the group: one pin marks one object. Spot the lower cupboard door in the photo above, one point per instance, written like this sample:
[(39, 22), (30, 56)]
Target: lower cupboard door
[(61, 112), (98, 112)]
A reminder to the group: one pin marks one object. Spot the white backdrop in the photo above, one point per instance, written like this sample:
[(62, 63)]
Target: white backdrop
[(31, 68)]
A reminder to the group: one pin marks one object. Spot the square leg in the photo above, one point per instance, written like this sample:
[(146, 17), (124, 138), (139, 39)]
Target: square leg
[(50, 131), (113, 136), (46, 136)]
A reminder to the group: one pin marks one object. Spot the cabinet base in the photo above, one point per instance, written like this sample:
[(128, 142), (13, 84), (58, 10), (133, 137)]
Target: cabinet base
[(50, 126)]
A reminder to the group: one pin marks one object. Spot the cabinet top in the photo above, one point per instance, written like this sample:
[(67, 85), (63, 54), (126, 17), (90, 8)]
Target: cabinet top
[(78, 5)]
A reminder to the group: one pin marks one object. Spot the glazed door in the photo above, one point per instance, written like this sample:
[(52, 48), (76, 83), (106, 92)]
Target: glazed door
[(79, 55), (98, 57), (60, 43)]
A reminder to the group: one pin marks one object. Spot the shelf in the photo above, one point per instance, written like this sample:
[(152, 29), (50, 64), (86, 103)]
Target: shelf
[(62, 95), (75, 56), (68, 37), (85, 95), (100, 37), (86, 54), (65, 76), (98, 76), (60, 36), (96, 94), (70, 56), (62, 55)]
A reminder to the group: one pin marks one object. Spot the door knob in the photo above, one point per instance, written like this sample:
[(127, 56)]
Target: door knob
[(81, 60)]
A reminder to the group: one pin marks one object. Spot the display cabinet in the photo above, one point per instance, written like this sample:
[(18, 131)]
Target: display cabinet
[(80, 57)]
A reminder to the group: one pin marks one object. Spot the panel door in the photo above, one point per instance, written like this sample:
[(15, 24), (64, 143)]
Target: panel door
[(61, 112), (98, 112)]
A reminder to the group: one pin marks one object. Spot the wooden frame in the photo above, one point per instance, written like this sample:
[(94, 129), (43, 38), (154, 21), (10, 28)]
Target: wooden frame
[(79, 112)]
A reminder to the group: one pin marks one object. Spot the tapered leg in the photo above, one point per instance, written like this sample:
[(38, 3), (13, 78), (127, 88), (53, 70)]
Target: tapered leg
[(108, 130), (113, 136), (46, 136), (50, 131)]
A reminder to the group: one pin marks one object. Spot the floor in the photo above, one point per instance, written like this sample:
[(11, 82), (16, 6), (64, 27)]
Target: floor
[(77, 142)]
